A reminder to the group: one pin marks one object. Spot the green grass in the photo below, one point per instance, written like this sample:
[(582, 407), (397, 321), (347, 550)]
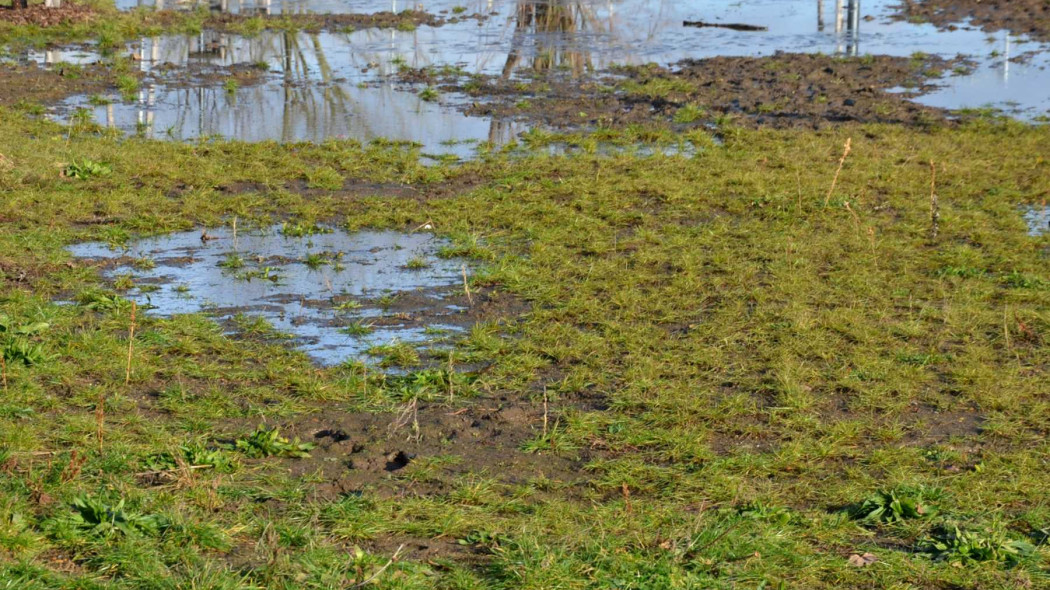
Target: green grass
[(750, 386)]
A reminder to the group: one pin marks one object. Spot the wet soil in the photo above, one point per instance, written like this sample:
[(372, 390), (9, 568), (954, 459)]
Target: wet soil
[(41, 16), (1030, 17), (203, 74), (31, 83), (387, 452), (408, 19), (35, 84), (783, 90)]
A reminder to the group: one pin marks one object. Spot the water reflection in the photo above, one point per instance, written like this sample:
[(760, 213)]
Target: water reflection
[(315, 86), (338, 85), (1038, 219), (329, 290)]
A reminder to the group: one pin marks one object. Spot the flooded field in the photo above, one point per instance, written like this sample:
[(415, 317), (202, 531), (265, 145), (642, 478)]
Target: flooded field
[(342, 84), (524, 294), (337, 294)]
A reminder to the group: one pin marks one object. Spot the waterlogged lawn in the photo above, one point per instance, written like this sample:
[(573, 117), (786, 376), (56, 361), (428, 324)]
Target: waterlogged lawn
[(722, 376)]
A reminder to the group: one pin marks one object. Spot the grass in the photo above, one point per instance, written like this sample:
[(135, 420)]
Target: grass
[(728, 367)]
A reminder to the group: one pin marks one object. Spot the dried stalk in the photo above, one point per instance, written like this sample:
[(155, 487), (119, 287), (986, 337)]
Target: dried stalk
[(935, 209), (131, 343), (393, 558), (466, 286), (545, 412), (846, 149), (450, 391), (100, 419), (856, 218)]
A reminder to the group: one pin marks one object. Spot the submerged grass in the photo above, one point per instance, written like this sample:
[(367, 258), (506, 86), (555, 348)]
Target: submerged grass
[(753, 388)]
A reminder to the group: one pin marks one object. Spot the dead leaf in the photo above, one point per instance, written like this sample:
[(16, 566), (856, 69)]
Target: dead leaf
[(862, 560)]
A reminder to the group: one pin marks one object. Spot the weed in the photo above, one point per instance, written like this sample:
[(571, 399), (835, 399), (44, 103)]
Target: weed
[(301, 230), (951, 544), (190, 455), (347, 305), (417, 263), (232, 261), (268, 442), (1017, 280), (100, 519), (888, 507), (15, 343), (87, 169), (100, 301)]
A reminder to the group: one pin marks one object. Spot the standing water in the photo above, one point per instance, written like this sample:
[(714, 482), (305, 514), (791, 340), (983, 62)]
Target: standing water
[(340, 84), (337, 293)]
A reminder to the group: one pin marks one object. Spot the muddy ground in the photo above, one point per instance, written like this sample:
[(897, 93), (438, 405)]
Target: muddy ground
[(407, 19), (30, 83), (784, 90), (1030, 17), (40, 16)]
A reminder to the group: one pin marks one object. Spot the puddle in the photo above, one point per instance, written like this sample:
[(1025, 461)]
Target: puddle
[(315, 86), (1038, 219), (326, 290), (339, 85)]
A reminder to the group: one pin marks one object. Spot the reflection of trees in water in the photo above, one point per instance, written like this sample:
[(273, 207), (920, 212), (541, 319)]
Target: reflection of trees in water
[(554, 28), (311, 98)]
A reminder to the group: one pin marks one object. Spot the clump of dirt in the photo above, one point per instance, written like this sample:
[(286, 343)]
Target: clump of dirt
[(42, 16), (1030, 17), (783, 90), (31, 83)]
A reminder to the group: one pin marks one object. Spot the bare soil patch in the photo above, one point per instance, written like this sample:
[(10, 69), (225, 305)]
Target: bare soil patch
[(784, 90), (34, 84), (41, 16), (1030, 17)]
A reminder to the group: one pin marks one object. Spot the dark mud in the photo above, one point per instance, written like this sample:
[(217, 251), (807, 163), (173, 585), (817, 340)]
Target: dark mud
[(405, 20), (196, 74), (35, 84), (423, 448), (40, 16), (1031, 17), (783, 90), (30, 83)]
